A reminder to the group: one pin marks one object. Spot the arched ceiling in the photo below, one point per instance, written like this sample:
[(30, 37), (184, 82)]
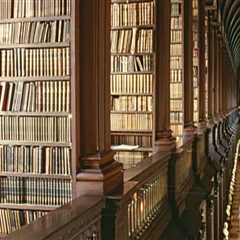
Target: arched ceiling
[(230, 15)]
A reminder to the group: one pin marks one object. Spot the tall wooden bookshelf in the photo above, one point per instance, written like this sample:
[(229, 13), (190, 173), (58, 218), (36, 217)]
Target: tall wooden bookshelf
[(176, 68), (195, 28), (206, 64), (36, 169), (132, 79)]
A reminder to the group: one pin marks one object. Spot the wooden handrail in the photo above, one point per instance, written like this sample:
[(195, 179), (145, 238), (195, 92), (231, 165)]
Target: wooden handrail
[(80, 217)]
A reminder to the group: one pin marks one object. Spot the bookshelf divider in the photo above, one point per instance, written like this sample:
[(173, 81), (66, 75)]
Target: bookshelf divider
[(36, 164), (132, 79), (176, 70)]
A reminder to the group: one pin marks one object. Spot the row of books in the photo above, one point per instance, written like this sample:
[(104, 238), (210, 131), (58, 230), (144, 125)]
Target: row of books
[(176, 23), (195, 61), (206, 64), (132, 41), (176, 117), (176, 49), (133, 121), (196, 117), (35, 32), (34, 8), (176, 68), (176, 90), (176, 9), (132, 103), (195, 8), (39, 160), (176, 105), (21, 62), (176, 75), (132, 14), (41, 191), (143, 141), (177, 129), (130, 159), (42, 129), (176, 36), (195, 66), (39, 96), (132, 84), (176, 62), (124, 64), (195, 105), (12, 220), (196, 92)]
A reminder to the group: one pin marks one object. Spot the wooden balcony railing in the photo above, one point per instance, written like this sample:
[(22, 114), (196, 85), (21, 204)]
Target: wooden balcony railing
[(155, 192), (80, 219)]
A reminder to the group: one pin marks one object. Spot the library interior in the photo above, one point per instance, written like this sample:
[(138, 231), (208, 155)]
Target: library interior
[(120, 119)]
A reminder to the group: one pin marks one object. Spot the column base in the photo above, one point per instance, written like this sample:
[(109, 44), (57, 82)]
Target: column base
[(100, 178), (165, 142)]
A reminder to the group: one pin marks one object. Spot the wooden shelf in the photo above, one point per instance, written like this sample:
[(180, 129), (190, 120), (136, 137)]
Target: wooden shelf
[(35, 175), (176, 124), (34, 19), (176, 42), (35, 79), (133, 54), (177, 98), (129, 132), (140, 149), (145, 26), (131, 112), (38, 114), (35, 45), (132, 73), (130, 1), (41, 144), (28, 207), (176, 111), (131, 94)]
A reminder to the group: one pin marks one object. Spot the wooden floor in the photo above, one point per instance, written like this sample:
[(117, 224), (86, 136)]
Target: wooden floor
[(235, 218)]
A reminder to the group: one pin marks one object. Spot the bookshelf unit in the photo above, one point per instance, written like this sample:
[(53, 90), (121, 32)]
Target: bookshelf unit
[(206, 64), (36, 146), (195, 28), (132, 79), (176, 70)]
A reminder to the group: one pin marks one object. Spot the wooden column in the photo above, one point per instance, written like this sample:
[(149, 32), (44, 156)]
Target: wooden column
[(98, 172), (221, 76), (163, 135), (211, 70), (202, 75), (188, 66), (215, 72), (224, 82)]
